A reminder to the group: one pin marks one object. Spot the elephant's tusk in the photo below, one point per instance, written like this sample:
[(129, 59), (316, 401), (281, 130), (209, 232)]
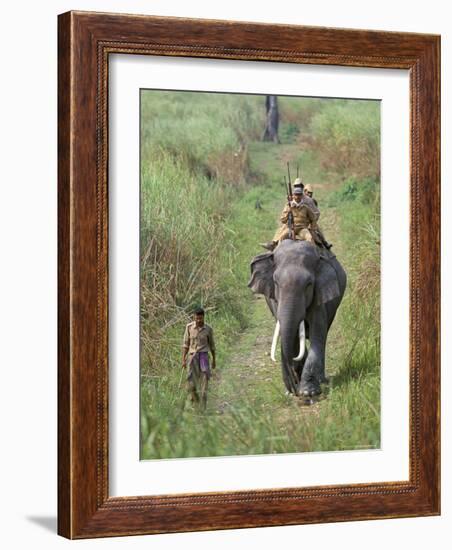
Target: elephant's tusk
[(275, 342), (302, 335)]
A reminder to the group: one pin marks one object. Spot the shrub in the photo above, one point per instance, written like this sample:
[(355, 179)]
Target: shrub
[(346, 135), (365, 191)]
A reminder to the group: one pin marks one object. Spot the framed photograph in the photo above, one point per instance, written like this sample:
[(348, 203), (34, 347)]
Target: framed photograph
[(249, 259)]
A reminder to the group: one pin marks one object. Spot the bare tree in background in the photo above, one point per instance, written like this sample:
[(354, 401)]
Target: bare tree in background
[(272, 123)]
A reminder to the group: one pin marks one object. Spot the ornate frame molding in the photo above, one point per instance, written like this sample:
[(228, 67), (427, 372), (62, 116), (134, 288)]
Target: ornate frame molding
[(85, 42)]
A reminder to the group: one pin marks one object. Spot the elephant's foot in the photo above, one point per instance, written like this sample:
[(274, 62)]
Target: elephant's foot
[(309, 389)]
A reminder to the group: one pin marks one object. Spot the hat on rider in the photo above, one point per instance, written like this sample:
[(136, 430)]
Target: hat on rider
[(298, 183), (308, 188)]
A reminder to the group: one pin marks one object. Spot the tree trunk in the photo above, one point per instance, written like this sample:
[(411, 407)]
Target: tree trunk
[(272, 122)]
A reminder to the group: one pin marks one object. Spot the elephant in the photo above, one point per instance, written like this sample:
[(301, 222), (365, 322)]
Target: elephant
[(303, 289)]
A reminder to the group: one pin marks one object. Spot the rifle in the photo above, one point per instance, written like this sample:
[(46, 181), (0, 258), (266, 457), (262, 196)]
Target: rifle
[(290, 215), (299, 171)]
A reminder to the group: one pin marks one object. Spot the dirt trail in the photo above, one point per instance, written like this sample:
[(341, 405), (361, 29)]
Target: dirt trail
[(249, 364)]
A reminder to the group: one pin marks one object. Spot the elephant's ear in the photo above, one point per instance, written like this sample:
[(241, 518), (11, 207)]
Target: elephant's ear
[(326, 285), (261, 282)]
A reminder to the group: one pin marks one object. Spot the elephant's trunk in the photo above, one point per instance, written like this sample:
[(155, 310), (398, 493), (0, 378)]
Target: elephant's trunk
[(288, 333), (288, 343)]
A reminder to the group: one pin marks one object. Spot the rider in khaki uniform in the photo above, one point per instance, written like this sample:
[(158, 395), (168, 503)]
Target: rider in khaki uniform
[(197, 343), (307, 198), (306, 214), (308, 191), (303, 218)]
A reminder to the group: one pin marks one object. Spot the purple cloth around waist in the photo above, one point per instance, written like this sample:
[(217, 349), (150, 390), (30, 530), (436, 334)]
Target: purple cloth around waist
[(203, 360)]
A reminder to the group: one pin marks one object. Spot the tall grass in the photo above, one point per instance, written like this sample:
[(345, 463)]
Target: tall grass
[(209, 132), (346, 136), (354, 400), (297, 116)]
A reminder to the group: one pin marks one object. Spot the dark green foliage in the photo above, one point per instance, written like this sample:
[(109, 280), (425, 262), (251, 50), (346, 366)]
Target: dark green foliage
[(289, 132), (365, 191)]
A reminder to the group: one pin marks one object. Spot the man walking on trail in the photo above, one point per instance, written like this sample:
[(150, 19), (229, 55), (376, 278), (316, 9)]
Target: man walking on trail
[(198, 342)]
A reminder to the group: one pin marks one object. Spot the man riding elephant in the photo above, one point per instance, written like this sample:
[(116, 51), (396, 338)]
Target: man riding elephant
[(303, 218), (305, 215), (306, 199), (314, 206), (309, 191)]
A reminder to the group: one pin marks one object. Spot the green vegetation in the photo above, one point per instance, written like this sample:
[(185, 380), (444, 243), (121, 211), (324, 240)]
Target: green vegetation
[(346, 137), (203, 170)]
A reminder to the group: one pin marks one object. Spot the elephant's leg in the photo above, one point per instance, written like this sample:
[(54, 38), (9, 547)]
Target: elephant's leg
[(313, 373)]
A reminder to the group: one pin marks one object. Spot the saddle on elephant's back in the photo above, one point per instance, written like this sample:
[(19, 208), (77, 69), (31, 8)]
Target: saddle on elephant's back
[(325, 253)]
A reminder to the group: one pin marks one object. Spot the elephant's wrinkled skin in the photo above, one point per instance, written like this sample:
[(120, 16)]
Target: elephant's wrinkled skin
[(300, 286)]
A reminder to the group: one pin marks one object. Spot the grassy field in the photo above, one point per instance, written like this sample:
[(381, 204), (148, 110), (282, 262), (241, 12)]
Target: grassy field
[(203, 169)]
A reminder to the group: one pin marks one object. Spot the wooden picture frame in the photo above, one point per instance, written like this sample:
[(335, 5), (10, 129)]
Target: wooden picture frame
[(85, 42)]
